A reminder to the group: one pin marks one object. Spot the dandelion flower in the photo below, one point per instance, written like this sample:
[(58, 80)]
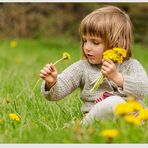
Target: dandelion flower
[(132, 119), (135, 105), (17, 60), (143, 115), (110, 54), (1, 121), (66, 56), (14, 116), (128, 108), (109, 133), (120, 51), (123, 109), (13, 44)]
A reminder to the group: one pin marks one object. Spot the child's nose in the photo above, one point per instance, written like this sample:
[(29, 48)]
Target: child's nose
[(88, 46)]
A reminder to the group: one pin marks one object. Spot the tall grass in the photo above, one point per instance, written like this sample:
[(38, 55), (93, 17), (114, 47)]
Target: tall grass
[(43, 121)]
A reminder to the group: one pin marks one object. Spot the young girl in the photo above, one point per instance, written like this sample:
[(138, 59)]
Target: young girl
[(103, 29)]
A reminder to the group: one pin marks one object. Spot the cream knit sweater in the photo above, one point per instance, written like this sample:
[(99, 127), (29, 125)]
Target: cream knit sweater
[(82, 74)]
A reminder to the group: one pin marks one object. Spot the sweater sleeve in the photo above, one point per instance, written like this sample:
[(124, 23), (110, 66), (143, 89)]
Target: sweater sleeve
[(135, 81), (67, 82)]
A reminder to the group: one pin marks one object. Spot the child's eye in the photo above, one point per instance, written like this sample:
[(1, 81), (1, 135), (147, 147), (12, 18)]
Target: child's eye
[(96, 42), (84, 40)]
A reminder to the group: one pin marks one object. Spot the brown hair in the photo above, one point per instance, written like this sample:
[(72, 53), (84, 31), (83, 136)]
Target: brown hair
[(111, 24)]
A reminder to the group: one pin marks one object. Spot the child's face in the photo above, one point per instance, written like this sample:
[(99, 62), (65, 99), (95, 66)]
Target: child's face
[(93, 49)]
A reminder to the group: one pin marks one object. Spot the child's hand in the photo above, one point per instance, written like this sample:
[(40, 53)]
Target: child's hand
[(49, 74), (110, 71)]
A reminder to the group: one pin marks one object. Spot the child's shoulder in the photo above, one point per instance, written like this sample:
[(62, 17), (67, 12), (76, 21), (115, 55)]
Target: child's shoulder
[(82, 63), (132, 61)]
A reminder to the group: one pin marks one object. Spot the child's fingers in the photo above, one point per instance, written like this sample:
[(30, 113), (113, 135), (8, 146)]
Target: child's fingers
[(48, 66), (105, 70), (43, 72), (104, 67), (48, 71), (41, 76), (110, 65), (110, 61), (52, 67), (106, 63)]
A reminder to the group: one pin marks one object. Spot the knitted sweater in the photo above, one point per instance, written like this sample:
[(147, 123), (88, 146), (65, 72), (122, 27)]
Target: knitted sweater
[(82, 74)]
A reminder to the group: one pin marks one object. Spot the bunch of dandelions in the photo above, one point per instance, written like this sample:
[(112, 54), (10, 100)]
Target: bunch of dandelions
[(116, 55), (66, 56), (132, 111)]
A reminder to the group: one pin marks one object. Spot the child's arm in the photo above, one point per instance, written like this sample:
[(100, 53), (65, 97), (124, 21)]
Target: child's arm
[(135, 80), (56, 87)]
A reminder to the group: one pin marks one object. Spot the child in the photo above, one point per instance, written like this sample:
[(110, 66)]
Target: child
[(103, 29)]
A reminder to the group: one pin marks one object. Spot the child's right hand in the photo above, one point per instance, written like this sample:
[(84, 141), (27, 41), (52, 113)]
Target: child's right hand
[(49, 74)]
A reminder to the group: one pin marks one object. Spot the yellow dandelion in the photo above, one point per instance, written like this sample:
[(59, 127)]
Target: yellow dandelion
[(132, 119), (115, 54), (110, 54), (13, 44), (119, 59), (143, 114), (1, 121), (128, 107), (123, 109), (109, 133), (135, 105), (66, 56), (120, 51), (14, 116), (17, 60)]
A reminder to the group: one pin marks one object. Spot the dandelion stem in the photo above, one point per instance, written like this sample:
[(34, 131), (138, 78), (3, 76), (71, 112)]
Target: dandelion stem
[(98, 82), (36, 83), (58, 61)]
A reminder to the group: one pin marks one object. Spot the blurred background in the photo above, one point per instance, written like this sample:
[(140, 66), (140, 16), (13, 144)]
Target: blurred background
[(43, 20)]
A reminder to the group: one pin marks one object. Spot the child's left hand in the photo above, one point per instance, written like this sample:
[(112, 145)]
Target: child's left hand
[(110, 71)]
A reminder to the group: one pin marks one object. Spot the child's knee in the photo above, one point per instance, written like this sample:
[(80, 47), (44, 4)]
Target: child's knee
[(103, 109), (114, 101)]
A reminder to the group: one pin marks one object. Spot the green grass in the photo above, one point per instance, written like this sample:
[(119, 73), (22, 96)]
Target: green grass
[(50, 122)]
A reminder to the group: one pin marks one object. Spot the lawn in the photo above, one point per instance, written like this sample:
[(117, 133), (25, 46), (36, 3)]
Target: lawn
[(42, 121)]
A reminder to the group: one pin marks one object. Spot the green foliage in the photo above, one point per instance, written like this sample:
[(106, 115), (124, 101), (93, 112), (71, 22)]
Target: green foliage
[(43, 121)]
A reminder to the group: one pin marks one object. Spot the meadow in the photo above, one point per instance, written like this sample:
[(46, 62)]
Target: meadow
[(42, 121)]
